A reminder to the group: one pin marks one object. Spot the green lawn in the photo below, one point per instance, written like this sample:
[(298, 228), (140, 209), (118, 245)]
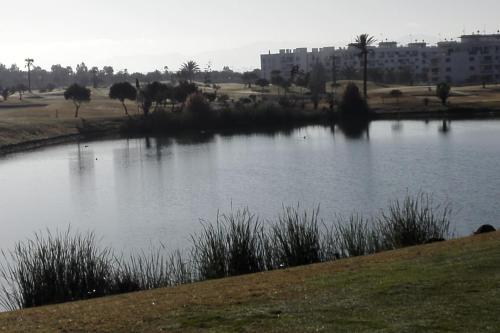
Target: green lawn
[(445, 287)]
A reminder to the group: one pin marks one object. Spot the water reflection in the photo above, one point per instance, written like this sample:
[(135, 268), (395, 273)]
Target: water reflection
[(355, 129), (138, 190), (397, 127), (195, 138), (83, 161), (445, 126)]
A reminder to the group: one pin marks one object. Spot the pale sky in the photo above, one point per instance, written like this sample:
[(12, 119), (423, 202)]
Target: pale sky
[(143, 35)]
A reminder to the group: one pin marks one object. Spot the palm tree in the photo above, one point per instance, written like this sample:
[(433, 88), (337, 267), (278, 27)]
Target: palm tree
[(363, 43), (29, 62), (190, 68)]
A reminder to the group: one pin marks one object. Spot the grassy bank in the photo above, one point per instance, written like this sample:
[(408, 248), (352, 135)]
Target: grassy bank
[(442, 287)]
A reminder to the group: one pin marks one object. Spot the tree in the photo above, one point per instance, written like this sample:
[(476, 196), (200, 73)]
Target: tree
[(334, 69), (183, 90), (20, 89), (144, 98), (108, 71), (29, 62), (317, 83), (208, 73), (262, 83), (363, 43), (249, 78), (82, 74), (302, 80), (375, 74), (160, 93), (78, 94), (294, 72), (190, 69), (122, 91), (61, 75), (5, 92), (277, 79), (348, 73), (443, 92)]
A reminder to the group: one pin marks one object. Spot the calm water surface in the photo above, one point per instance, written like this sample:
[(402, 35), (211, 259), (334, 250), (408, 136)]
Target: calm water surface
[(134, 192)]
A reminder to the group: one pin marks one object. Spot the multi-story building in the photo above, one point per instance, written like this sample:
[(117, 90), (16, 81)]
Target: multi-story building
[(475, 59)]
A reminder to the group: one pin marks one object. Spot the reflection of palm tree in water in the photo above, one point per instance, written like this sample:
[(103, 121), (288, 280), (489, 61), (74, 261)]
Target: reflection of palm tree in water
[(446, 126)]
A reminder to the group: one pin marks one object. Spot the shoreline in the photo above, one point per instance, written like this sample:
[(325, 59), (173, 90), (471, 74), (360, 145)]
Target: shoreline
[(99, 132)]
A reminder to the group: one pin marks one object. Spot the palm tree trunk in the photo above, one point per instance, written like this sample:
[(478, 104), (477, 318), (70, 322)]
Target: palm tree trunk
[(29, 78), (365, 75)]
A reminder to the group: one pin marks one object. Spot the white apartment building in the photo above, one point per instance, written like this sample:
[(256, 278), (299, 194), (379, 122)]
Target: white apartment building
[(475, 59)]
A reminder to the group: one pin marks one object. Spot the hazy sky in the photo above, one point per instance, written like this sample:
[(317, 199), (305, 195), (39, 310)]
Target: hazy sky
[(142, 35)]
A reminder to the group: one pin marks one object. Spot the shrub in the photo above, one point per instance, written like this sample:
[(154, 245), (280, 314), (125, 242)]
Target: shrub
[(55, 268), (150, 270), (443, 90), (355, 237), (415, 220), (200, 111), (211, 97), (296, 238), (353, 103), (223, 98), (245, 100), (232, 246)]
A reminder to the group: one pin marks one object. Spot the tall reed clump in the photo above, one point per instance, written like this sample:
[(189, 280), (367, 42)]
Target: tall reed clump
[(231, 246), (295, 238), (354, 236), (55, 268), (413, 221), (150, 270)]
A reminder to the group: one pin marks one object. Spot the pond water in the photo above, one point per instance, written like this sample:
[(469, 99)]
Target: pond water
[(137, 192)]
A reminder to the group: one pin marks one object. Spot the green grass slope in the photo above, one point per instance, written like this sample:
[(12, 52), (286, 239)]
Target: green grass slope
[(444, 287)]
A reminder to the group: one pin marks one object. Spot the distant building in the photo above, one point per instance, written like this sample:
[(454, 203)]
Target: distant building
[(475, 59)]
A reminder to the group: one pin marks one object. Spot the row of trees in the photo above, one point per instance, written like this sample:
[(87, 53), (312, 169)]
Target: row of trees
[(9, 91), (147, 96), (35, 77)]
